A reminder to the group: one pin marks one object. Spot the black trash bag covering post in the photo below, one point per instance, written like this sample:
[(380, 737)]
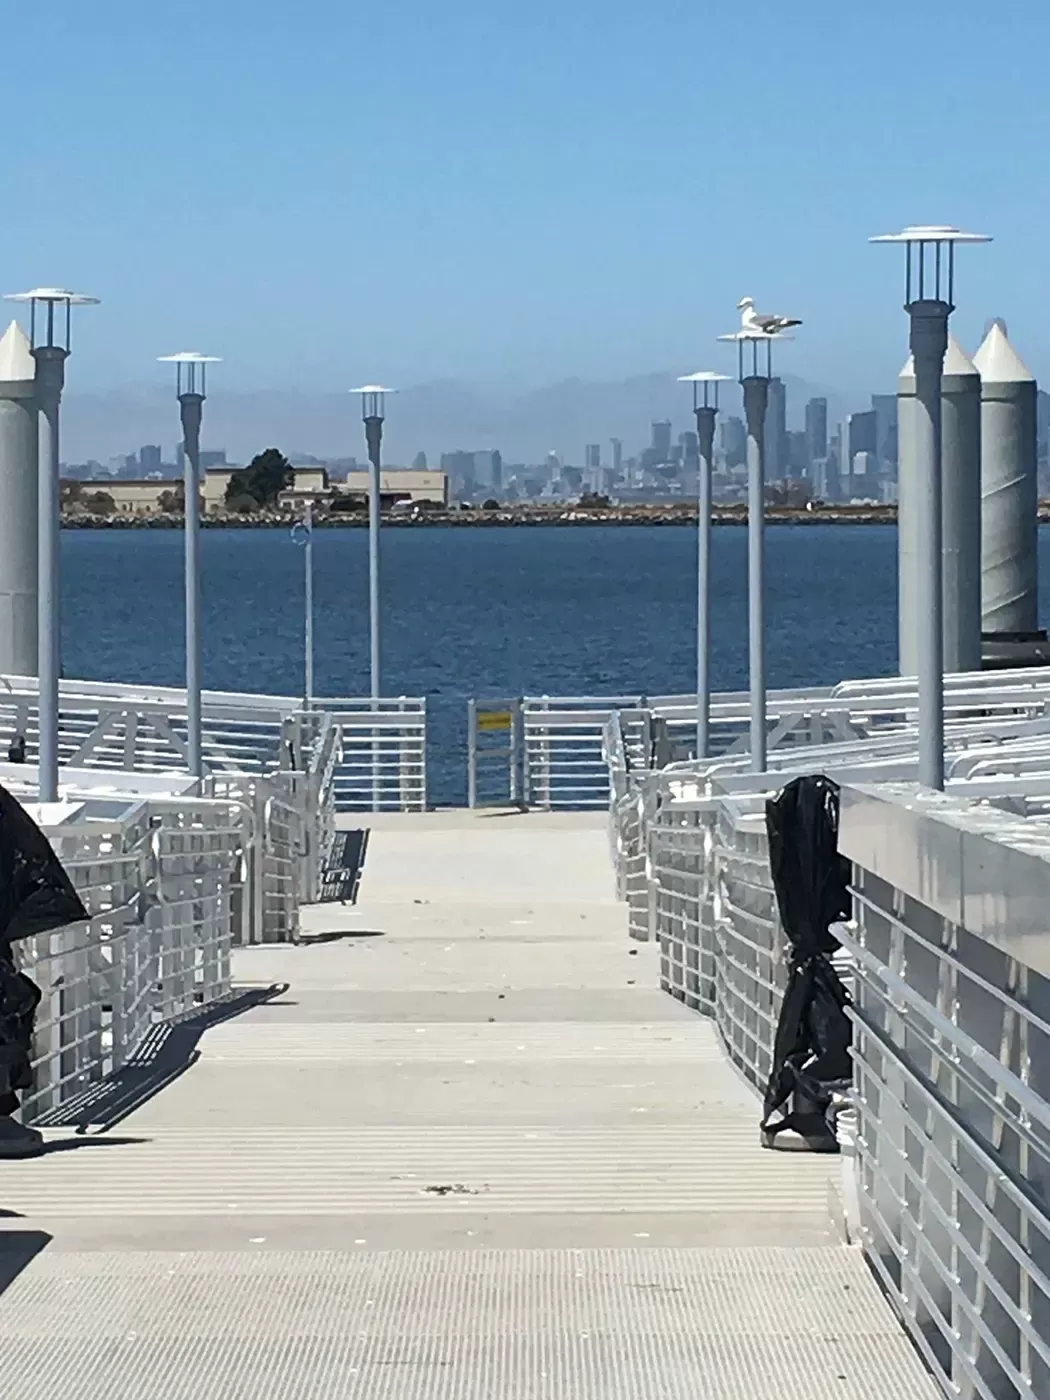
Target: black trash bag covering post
[(36, 895), (811, 1059)]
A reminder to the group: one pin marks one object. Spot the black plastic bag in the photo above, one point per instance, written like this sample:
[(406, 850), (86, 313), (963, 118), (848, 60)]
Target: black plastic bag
[(811, 1059), (36, 895)]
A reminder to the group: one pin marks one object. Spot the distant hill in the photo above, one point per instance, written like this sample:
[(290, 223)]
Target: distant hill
[(434, 417)]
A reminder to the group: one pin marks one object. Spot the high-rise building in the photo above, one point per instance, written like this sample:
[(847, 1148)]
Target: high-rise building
[(884, 407), (860, 435), (733, 441), (617, 455), (488, 469), (661, 444), (459, 468), (593, 456), (816, 431), (798, 460), (776, 431), (149, 459), (419, 462), (214, 458)]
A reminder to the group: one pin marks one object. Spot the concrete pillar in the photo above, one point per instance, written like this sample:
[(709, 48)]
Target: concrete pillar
[(960, 515), (1009, 494), (961, 509), (18, 505)]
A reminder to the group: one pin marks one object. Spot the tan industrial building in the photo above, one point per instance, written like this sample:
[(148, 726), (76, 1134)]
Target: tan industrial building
[(306, 481), (128, 497), (395, 486), (143, 497)]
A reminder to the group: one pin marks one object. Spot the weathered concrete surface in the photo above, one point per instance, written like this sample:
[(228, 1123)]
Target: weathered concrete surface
[(471, 1152)]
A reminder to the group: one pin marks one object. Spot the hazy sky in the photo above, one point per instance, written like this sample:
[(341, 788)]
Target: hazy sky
[(411, 189)]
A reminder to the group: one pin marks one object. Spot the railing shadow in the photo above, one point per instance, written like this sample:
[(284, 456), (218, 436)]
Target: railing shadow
[(18, 1249), (164, 1054)]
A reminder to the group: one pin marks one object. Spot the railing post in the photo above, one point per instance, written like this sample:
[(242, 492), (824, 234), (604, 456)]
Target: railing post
[(472, 753)]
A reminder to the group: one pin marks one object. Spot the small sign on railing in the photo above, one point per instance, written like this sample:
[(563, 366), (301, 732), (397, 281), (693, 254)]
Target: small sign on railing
[(494, 721)]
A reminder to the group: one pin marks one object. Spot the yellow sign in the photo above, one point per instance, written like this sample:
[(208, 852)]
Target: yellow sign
[(490, 721)]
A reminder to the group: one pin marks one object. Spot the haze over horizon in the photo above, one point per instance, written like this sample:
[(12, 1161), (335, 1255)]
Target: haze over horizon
[(519, 197)]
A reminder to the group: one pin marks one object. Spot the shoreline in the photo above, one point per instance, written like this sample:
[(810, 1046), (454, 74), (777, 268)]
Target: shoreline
[(520, 517)]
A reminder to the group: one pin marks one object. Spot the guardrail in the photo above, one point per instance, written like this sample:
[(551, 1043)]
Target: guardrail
[(952, 1079), (161, 884), (946, 1166), (380, 763)]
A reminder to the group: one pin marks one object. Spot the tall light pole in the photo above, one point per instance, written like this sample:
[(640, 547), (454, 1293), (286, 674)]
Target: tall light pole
[(755, 366), (373, 405), (928, 291), (705, 406), (303, 533), (190, 388), (50, 344)]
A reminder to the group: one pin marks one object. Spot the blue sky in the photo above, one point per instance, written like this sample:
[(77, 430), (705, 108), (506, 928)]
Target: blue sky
[(522, 191)]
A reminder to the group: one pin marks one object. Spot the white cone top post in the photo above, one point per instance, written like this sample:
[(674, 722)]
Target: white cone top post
[(931, 233), (997, 362), (373, 389), (17, 365), (956, 361), (704, 376)]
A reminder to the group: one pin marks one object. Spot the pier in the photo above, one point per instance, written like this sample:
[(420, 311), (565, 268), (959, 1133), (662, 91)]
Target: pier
[(462, 1145)]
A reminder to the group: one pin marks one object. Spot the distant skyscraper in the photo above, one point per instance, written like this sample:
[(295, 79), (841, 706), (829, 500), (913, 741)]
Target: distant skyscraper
[(797, 454), (216, 458), (149, 459), (593, 456), (816, 431), (884, 407), (459, 468), (661, 444), (860, 435), (617, 454), (733, 436), (419, 462), (690, 446), (776, 431), (488, 469)]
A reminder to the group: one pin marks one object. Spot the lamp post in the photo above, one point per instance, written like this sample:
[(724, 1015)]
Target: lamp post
[(929, 289), (373, 404), (755, 370), (191, 388), (705, 406), (50, 344), (303, 533)]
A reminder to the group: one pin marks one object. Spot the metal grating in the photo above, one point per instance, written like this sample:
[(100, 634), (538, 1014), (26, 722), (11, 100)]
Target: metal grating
[(632, 1324)]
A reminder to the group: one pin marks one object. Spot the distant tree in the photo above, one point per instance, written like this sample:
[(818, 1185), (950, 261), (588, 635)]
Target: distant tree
[(263, 479), (99, 503), (173, 502), (241, 504), (490, 504), (593, 501), (71, 494)]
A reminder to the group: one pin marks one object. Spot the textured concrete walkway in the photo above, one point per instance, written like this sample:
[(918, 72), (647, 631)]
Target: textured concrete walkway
[(472, 1153)]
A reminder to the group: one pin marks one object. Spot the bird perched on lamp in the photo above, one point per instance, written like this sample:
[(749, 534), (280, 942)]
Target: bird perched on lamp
[(760, 322)]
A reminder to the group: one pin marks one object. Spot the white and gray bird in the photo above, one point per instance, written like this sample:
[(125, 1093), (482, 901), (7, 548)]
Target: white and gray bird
[(763, 322)]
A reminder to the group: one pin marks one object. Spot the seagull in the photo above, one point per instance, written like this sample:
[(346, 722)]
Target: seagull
[(752, 320)]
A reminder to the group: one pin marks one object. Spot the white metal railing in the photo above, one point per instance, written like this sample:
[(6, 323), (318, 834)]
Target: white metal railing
[(160, 884), (952, 1079), (381, 756)]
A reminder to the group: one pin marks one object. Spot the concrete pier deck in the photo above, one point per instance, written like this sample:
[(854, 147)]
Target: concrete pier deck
[(470, 1153)]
